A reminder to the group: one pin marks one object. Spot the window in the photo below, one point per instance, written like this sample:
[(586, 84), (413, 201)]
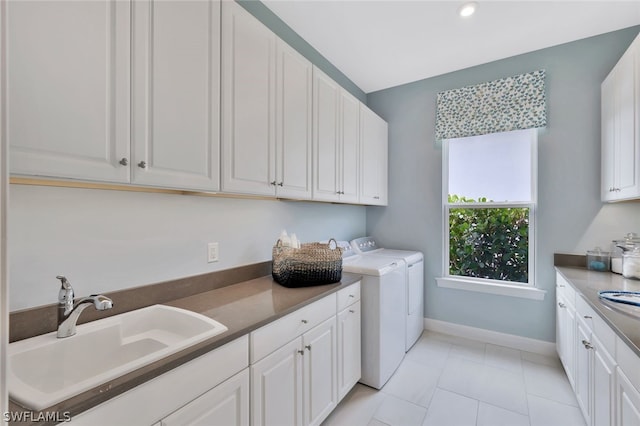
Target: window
[(489, 196)]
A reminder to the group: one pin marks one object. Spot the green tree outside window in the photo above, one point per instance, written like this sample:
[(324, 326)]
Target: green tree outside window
[(488, 242)]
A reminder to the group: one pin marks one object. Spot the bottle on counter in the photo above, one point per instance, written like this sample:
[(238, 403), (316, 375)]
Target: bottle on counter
[(631, 263), (598, 260), (618, 247)]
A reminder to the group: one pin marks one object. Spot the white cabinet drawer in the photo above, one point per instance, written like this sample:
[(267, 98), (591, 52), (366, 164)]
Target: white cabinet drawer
[(272, 336), (348, 296), (597, 325), (565, 289), (585, 312)]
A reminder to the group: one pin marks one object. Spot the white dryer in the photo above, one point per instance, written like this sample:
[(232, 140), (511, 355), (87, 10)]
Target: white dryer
[(383, 348), (413, 304)]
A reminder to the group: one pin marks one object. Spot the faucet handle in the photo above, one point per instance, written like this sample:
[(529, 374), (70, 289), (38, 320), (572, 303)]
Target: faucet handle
[(64, 281), (101, 303), (65, 295)]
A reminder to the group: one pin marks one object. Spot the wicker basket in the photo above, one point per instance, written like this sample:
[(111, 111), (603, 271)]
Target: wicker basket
[(311, 264)]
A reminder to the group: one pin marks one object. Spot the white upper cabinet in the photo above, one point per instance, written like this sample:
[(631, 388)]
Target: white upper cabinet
[(336, 141), (326, 98), (349, 153), (68, 88), (75, 113), (373, 158), (266, 110), (176, 94), (190, 95), (248, 102), (621, 128), (293, 123)]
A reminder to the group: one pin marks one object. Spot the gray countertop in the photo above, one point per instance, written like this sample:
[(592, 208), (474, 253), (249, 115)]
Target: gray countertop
[(241, 307), (623, 319)]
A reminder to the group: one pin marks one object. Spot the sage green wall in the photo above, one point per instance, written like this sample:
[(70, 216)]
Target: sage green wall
[(570, 216), (275, 24)]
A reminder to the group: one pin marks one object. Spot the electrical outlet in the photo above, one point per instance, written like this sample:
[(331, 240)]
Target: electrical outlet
[(212, 252)]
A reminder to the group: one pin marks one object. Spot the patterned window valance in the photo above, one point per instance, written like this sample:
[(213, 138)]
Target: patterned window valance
[(512, 103)]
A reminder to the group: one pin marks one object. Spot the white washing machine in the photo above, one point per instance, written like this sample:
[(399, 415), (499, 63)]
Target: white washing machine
[(381, 291), (413, 304)]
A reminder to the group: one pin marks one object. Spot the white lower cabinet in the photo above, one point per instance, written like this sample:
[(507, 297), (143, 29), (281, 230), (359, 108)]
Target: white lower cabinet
[(320, 372), (276, 387), (565, 327), (225, 405), (297, 384), (583, 375), (213, 384), (628, 401), (603, 370), (595, 366), (627, 385), (300, 382), (349, 354), (604, 386)]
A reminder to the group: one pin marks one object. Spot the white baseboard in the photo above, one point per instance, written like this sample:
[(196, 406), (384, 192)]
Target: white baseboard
[(493, 337)]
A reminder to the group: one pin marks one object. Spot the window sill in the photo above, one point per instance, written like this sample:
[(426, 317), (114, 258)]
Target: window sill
[(511, 290)]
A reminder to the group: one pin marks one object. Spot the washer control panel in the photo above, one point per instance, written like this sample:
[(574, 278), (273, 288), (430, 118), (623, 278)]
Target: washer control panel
[(364, 244)]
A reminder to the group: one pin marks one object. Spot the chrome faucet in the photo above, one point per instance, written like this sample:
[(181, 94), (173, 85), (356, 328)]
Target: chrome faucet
[(68, 311)]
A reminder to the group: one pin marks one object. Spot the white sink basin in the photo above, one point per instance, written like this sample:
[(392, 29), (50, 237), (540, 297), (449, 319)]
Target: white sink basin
[(45, 370)]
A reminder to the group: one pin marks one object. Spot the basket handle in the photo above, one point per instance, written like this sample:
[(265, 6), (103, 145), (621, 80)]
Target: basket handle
[(335, 244)]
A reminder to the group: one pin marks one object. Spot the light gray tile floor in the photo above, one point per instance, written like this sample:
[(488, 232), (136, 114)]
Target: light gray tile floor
[(449, 381)]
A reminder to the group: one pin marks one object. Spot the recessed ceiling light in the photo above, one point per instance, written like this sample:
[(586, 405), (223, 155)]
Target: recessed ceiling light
[(467, 9)]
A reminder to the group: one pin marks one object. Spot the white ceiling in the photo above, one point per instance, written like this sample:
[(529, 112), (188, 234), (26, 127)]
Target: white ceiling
[(385, 43)]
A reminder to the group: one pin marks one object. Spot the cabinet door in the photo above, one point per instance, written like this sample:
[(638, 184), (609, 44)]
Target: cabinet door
[(294, 123), (68, 88), (349, 152), (620, 128), (276, 387), (608, 141), (560, 321), (566, 340), (225, 405), (583, 368), (326, 100), (248, 103), (373, 155), (627, 401), (320, 372), (570, 345), (604, 389), (349, 350), (176, 95), (625, 154)]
